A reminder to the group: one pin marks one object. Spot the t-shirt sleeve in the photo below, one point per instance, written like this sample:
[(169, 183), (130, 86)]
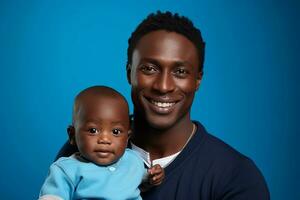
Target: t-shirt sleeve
[(246, 183), (57, 184)]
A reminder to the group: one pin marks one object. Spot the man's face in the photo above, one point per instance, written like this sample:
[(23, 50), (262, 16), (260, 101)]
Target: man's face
[(164, 76), (101, 131)]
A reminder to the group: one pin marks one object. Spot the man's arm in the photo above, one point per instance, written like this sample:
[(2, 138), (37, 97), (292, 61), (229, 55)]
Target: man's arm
[(245, 182)]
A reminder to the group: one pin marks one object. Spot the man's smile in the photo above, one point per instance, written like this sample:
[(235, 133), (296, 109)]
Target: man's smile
[(161, 105)]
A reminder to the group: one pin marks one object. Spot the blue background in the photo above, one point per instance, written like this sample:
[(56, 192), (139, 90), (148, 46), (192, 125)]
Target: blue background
[(249, 97)]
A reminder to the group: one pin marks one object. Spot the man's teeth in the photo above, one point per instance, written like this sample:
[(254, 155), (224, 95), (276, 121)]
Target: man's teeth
[(162, 104)]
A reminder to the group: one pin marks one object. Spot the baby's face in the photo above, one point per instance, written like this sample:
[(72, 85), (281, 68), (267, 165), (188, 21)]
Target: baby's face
[(101, 130)]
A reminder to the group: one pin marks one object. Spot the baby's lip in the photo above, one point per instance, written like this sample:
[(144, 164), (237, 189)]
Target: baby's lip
[(103, 151)]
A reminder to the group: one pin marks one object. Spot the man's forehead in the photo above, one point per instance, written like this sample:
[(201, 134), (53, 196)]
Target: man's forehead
[(159, 35), (163, 45)]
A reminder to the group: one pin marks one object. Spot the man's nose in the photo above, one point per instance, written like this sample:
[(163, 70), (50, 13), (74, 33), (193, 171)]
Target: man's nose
[(104, 138), (164, 83)]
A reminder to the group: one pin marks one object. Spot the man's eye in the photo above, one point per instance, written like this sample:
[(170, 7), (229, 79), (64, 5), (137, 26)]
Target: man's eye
[(93, 130), (181, 72), (116, 132), (148, 69)]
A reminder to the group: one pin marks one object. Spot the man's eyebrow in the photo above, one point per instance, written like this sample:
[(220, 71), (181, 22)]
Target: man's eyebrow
[(180, 63), (176, 63), (151, 60)]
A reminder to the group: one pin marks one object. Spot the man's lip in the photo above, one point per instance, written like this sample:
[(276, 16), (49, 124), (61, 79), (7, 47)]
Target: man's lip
[(162, 105), (161, 100)]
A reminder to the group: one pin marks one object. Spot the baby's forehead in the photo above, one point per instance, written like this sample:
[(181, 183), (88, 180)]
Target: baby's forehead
[(98, 99), (92, 99), (101, 105), (100, 92)]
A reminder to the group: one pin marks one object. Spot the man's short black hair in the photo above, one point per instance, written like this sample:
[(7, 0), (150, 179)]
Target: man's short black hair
[(169, 22)]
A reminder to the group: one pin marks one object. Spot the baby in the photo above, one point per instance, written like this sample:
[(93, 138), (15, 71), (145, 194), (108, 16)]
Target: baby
[(103, 168)]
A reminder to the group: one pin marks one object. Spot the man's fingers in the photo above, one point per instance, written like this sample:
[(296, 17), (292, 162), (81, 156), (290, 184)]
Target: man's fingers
[(156, 169)]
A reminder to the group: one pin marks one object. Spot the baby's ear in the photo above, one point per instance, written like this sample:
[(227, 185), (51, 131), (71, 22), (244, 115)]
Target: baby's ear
[(129, 133), (71, 134)]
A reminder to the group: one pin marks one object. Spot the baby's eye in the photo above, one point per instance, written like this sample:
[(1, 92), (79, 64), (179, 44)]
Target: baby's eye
[(93, 131), (116, 132)]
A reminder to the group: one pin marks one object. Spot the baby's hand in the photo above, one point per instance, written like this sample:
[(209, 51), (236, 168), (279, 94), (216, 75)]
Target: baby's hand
[(156, 175)]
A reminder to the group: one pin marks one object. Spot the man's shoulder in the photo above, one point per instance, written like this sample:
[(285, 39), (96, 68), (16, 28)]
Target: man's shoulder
[(225, 167), (227, 158), (221, 158), (220, 153), (223, 150)]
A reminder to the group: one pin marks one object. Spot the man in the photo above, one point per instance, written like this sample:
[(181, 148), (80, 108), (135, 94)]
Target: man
[(164, 69)]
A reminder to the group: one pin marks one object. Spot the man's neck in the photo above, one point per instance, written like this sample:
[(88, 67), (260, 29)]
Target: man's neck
[(162, 142)]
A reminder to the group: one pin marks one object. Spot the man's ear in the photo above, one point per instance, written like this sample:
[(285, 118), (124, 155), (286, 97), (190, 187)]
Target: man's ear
[(128, 71), (71, 134), (198, 79)]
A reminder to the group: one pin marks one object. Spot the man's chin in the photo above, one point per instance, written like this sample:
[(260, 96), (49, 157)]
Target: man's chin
[(161, 122), (155, 120)]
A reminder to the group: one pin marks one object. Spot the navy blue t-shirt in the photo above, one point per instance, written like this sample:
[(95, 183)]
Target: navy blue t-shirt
[(209, 169)]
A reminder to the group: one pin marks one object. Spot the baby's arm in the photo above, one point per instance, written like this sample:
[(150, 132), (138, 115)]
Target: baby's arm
[(155, 177), (57, 185)]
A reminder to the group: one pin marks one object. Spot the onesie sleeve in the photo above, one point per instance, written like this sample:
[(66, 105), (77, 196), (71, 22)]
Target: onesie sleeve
[(57, 185), (246, 182)]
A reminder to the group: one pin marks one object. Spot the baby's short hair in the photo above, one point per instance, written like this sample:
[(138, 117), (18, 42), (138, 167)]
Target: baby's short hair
[(97, 90)]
